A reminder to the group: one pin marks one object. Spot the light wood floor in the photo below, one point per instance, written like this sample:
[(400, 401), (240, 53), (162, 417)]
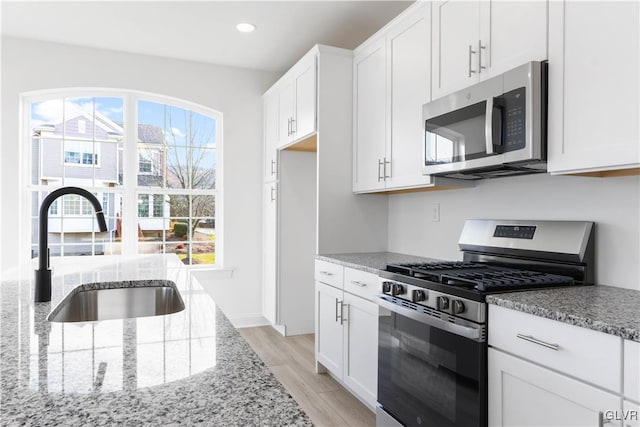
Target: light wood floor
[(292, 361)]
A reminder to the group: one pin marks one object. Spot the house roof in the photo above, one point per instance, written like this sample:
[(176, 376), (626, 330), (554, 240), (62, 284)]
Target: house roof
[(147, 133)]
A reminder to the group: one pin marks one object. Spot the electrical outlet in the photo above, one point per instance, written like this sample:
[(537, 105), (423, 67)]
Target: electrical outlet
[(435, 212)]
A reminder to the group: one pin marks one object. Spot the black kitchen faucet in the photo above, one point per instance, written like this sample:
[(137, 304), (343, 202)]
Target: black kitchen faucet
[(43, 273)]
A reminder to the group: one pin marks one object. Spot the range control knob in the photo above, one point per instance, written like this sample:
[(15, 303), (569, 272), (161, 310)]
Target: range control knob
[(457, 307), (398, 289), (442, 303), (386, 287), (418, 295)]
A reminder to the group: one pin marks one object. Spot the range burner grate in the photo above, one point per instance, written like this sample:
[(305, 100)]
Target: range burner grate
[(479, 276)]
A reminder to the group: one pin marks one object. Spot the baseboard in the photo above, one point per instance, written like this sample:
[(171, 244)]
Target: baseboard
[(248, 321)]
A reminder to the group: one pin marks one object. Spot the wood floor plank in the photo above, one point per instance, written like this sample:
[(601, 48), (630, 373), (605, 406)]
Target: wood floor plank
[(349, 408), (319, 410), (292, 361)]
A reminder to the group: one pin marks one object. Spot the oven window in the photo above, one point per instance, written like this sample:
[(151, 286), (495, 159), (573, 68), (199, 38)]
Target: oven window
[(429, 377), (456, 136)]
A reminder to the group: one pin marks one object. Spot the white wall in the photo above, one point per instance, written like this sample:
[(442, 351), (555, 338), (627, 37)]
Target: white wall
[(613, 203), (31, 65)]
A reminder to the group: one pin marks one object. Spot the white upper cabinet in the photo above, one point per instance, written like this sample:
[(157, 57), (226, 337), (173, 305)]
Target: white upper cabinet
[(512, 33), (594, 110), (369, 117), (474, 40), (409, 67), (285, 112), (271, 114), (456, 34), (297, 98), (392, 75), (304, 78)]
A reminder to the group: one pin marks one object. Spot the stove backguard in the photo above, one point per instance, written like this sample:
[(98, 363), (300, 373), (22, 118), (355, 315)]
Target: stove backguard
[(556, 247)]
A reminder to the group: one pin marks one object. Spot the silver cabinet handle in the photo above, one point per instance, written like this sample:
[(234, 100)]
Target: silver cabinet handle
[(273, 194), (362, 285), (326, 273), (273, 163), (480, 47), (380, 163), (471, 52), (289, 126), (340, 315), (294, 126), (387, 162), (529, 338), (602, 420), (342, 318)]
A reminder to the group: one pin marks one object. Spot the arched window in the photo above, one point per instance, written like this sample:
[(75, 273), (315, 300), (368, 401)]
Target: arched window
[(152, 161)]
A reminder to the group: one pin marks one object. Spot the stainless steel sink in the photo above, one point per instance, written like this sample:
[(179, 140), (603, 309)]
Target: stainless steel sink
[(118, 300)]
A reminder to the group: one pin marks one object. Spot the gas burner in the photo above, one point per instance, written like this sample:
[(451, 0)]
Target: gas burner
[(479, 276)]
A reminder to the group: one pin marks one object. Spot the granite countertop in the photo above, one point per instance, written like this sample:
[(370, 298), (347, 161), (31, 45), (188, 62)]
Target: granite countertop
[(606, 309), (371, 262), (186, 368)]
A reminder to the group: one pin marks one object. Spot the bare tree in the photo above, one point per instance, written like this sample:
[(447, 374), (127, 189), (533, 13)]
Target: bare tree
[(186, 166)]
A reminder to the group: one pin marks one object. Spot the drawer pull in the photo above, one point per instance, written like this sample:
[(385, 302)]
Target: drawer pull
[(362, 285), (529, 338), (326, 273)]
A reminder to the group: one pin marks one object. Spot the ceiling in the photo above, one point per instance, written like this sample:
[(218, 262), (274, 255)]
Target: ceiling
[(202, 31)]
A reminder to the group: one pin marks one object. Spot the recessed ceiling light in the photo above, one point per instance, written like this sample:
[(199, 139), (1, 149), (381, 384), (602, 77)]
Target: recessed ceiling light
[(245, 27)]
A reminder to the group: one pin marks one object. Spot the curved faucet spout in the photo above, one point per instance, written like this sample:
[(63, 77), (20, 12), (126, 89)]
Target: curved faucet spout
[(43, 273)]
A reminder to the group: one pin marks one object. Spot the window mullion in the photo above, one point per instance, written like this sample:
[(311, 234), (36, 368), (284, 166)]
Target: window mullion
[(130, 178)]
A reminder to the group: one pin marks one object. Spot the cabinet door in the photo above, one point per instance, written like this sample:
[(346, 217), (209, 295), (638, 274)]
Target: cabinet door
[(513, 33), (408, 56), (631, 370), (270, 116), (456, 35), (285, 112), (524, 394), (269, 254), (360, 372), (594, 50), (630, 414), (369, 118), (305, 98), (328, 328)]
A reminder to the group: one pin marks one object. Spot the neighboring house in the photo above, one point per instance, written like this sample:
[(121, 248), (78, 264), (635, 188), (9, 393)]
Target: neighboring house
[(85, 151)]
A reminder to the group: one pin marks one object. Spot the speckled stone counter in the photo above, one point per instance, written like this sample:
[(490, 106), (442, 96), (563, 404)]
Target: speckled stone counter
[(371, 261), (606, 309), (186, 368)]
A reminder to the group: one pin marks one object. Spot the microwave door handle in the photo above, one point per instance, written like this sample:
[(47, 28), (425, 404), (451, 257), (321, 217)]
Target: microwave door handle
[(488, 126)]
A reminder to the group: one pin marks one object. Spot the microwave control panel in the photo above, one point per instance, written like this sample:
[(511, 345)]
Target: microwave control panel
[(513, 124)]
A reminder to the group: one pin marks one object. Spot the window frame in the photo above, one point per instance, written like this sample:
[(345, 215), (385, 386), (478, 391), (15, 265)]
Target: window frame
[(129, 189)]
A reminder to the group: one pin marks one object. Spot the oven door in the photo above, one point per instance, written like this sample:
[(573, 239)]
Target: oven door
[(431, 372)]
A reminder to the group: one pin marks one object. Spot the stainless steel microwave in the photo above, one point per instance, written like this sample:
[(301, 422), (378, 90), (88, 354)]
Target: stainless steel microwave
[(494, 128)]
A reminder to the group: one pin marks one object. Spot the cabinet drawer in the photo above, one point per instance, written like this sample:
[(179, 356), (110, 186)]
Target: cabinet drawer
[(632, 370), (361, 283), (582, 353), (329, 273)]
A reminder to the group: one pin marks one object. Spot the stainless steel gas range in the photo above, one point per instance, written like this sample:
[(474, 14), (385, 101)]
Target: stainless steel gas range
[(432, 349)]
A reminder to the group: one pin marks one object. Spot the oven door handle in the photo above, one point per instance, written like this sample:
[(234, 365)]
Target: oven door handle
[(471, 332)]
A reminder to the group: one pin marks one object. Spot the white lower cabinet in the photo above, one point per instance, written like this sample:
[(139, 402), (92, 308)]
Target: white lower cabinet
[(522, 393), (360, 351), (542, 372), (630, 415), (328, 328), (347, 337)]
